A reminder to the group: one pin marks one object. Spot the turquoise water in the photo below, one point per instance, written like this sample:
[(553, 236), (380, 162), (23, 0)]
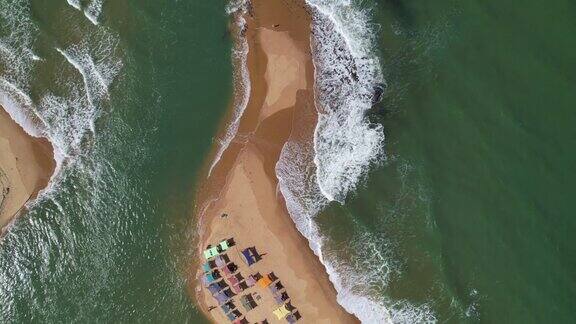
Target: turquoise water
[(466, 219)]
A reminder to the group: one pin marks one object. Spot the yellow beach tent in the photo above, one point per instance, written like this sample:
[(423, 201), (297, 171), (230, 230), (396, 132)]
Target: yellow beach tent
[(281, 312)]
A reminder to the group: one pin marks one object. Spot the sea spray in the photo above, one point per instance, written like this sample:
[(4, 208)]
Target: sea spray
[(237, 9)]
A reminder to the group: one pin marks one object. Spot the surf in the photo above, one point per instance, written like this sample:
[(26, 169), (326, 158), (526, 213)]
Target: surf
[(344, 147), (92, 12), (65, 118), (241, 79)]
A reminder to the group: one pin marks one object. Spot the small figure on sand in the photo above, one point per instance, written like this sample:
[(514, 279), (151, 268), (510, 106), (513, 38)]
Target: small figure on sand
[(224, 215)]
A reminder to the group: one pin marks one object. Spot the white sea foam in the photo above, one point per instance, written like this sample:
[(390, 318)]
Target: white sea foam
[(75, 4), (16, 56), (347, 73), (64, 118), (93, 11), (17, 60), (19, 106), (344, 147), (241, 79), (98, 67), (69, 119)]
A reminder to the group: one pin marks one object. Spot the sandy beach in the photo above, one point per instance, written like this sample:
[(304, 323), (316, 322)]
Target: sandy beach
[(26, 165), (241, 200)]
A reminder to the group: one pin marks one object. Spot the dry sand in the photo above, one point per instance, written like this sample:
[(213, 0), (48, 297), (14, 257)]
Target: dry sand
[(244, 185), (26, 165)]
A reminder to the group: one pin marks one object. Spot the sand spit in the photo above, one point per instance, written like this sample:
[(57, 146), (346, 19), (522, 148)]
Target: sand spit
[(244, 188)]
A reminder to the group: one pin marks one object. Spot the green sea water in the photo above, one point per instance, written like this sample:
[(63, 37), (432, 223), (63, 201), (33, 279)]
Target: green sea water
[(471, 216), (111, 241), (468, 219)]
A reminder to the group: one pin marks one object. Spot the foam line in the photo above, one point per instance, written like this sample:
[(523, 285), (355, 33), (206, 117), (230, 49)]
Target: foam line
[(343, 149), (241, 78), (75, 4), (15, 100), (95, 83), (93, 11)]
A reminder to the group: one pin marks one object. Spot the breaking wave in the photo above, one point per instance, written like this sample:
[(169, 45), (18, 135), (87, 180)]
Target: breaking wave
[(66, 114), (92, 11), (75, 4), (347, 73), (97, 75), (345, 146)]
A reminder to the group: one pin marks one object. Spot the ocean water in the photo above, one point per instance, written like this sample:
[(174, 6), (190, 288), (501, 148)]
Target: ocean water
[(467, 217), (130, 94), (447, 201)]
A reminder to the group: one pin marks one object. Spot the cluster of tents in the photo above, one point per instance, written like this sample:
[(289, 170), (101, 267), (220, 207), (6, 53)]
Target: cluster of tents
[(248, 302), (251, 256), (223, 281), (286, 310)]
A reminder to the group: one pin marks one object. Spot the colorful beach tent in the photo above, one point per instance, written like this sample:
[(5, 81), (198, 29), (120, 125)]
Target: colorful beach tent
[(206, 267), (264, 282), (241, 321), (248, 257), (209, 278), (231, 316), (226, 308), (236, 289), (213, 288), (221, 298), (281, 312), (211, 252), (245, 303), (255, 253), (224, 245), (278, 299), (250, 281), (220, 262)]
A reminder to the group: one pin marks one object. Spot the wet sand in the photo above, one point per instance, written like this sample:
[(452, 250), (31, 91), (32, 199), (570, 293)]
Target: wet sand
[(243, 185), (26, 165)]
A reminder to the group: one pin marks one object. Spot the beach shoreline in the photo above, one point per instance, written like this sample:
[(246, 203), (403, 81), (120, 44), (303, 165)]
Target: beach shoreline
[(26, 167), (243, 186)]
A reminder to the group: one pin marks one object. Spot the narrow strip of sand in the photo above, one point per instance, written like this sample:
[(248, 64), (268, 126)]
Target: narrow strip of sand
[(26, 165), (241, 200)]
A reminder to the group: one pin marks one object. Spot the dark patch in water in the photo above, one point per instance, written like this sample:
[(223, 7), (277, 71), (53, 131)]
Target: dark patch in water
[(399, 9)]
